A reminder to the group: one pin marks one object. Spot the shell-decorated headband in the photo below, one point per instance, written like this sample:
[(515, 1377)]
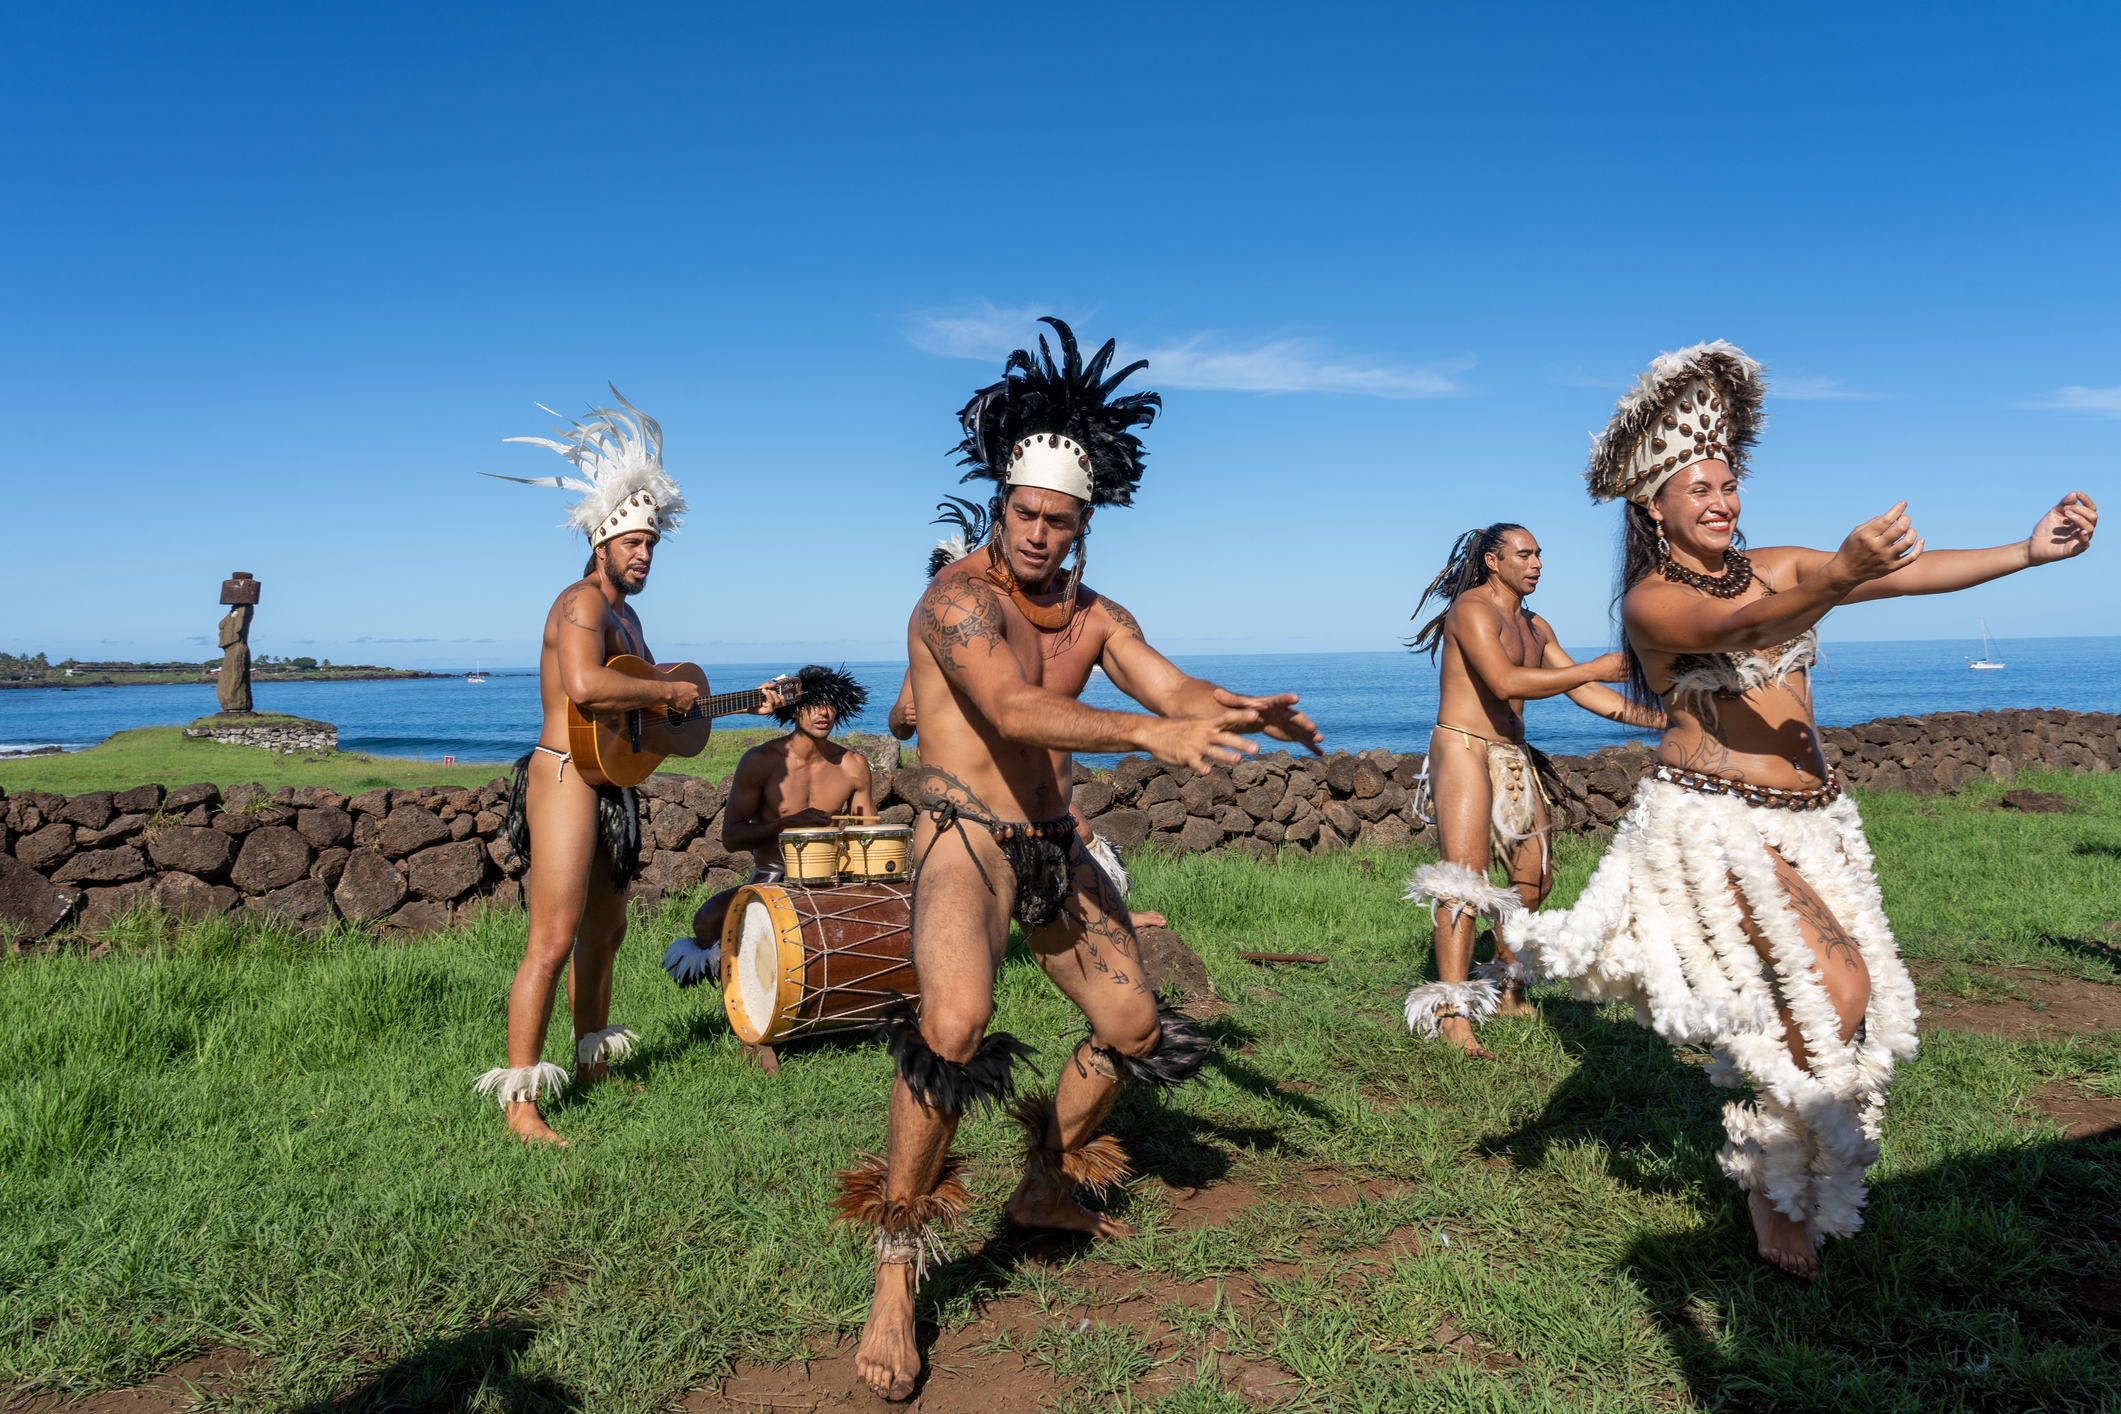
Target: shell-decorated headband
[(1051, 461), (620, 458), (1699, 404)]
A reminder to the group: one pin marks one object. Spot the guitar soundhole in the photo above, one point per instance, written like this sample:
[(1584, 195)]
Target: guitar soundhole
[(673, 716)]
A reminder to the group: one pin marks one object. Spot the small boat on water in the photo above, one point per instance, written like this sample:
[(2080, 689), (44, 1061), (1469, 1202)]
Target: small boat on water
[(478, 675), (1984, 661)]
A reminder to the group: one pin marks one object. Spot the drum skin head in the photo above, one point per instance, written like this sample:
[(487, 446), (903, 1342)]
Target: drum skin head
[(762, 979)]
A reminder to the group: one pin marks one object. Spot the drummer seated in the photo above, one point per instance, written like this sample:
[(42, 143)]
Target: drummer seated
[(793, 782)]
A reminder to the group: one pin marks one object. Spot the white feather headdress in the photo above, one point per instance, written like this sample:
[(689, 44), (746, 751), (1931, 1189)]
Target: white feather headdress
[(1700, 403), (620, 458)]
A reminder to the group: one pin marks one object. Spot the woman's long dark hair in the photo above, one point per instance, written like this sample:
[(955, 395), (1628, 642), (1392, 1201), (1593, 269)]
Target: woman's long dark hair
[(1467, 568), (1639, 559)]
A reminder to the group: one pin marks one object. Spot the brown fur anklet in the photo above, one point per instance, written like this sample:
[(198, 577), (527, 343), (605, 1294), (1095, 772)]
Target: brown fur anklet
[(906, 1228), (1100, 1164)]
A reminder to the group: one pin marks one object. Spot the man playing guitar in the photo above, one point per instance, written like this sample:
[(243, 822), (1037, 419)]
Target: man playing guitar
[(581, 834)]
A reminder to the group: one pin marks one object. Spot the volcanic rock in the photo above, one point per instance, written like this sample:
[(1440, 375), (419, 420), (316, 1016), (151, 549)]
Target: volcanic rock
[(410, 829), (48, 848), (273, 856), (447, 871), (102, 866), (325, 827), (29, 905), (185, 896), (206, 853), (306, 903), (369, 887), (90, 810)]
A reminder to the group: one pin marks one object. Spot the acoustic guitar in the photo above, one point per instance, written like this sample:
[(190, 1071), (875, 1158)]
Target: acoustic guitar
[(624, 748)]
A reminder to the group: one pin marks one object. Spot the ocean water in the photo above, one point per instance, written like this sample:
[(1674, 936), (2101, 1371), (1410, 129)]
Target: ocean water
[(1360, 699)]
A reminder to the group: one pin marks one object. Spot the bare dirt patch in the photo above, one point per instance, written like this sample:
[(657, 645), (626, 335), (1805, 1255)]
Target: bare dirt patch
[(179, 1387), (2044, 1003), (2081, 1116), (1006, 1359)]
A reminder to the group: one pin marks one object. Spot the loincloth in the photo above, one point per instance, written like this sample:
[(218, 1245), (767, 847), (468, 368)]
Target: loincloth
[(1040, 853), (1657, 926), (618, 821), (1519, 776)]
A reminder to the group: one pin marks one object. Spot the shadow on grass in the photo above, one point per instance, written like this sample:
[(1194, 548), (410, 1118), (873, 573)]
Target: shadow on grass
[(474, 1369), (2089, 949), (1980, 1281)]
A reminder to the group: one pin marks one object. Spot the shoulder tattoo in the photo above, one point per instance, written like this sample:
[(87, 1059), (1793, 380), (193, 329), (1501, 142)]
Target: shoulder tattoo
[(961, 614), (577, 613), (1121, 619)]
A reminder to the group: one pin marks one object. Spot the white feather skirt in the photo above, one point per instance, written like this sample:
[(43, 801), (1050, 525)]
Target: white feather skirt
[(1657, 926)]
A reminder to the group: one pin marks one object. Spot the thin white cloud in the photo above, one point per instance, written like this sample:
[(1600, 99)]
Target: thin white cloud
[(1816, 390), (984, 331), (2106, 402)]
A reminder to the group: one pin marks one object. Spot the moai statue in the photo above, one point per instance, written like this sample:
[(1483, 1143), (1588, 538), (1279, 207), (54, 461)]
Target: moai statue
[(242, 594)]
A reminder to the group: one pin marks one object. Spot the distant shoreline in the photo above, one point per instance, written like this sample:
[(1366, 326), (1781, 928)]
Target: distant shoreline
[(398, 675)]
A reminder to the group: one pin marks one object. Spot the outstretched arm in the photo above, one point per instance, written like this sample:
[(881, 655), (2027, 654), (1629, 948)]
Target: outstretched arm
[(1158, 684), (1666, 618), (1597, 698), (585, 616), (2063, 533), (960, 620), (1477, 626)]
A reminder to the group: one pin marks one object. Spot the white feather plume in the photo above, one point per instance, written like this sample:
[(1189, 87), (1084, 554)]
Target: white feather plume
[(1460, 891), (617, 454), (953, 546)]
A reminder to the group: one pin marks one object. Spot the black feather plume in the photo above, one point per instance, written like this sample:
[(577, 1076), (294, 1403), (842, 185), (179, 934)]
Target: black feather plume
[(950, 1086), (829, 686), (970, 518), (1072, 399), (1180, 1051)]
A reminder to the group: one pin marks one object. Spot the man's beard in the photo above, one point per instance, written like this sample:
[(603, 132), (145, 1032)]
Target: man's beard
[(618, 580)]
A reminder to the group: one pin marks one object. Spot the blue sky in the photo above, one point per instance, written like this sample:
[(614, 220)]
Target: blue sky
[(279, 279)]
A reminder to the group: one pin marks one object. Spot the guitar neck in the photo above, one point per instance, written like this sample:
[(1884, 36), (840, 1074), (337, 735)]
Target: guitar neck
[(727, 704)]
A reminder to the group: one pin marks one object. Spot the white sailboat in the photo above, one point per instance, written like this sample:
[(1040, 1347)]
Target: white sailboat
[(478, 674), (1984, 661)]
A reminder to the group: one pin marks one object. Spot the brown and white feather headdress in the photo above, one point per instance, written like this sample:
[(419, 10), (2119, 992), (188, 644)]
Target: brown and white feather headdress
[(620, 458), (1698, 404)]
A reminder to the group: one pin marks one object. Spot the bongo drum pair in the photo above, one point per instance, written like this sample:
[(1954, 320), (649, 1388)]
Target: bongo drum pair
[(860, 852)]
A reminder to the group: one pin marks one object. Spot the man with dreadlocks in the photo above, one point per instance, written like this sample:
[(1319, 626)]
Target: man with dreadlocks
[(793, 782), (1490, 785), (586, 834), (1001, 644)]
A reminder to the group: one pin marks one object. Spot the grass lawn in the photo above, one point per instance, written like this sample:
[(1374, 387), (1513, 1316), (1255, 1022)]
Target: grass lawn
[(165, 754), (272, 1144)]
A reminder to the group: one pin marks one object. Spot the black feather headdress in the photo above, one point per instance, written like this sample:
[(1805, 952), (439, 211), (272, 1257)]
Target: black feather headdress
[(970, 518), (1073, 400), (828, 687)]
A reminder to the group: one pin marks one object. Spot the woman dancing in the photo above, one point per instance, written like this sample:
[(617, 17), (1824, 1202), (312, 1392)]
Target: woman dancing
[(1737, 905)]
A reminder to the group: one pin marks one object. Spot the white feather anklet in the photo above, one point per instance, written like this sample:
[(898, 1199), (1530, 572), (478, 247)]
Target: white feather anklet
[(522, 1083), (1429, 1005), (1460, 891), (612, 1043)]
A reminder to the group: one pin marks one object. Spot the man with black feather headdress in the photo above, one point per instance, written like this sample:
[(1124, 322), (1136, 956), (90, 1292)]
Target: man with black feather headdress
[(793, 782), (1001, 646)]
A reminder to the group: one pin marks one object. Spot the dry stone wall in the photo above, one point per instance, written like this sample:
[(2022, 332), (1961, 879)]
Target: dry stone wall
[(290, 736), (421, 860)]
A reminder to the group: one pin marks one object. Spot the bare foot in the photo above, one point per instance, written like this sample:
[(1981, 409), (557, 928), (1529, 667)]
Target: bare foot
[(528, 1125), (888, 1360), (1150, 919), (1037, 1203), (591, 1074), (1513, 1002), (1459, 1032), (1783, 1241)]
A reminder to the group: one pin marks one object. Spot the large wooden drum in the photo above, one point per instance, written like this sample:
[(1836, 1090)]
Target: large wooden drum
[(803, 961), (876, 853)]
